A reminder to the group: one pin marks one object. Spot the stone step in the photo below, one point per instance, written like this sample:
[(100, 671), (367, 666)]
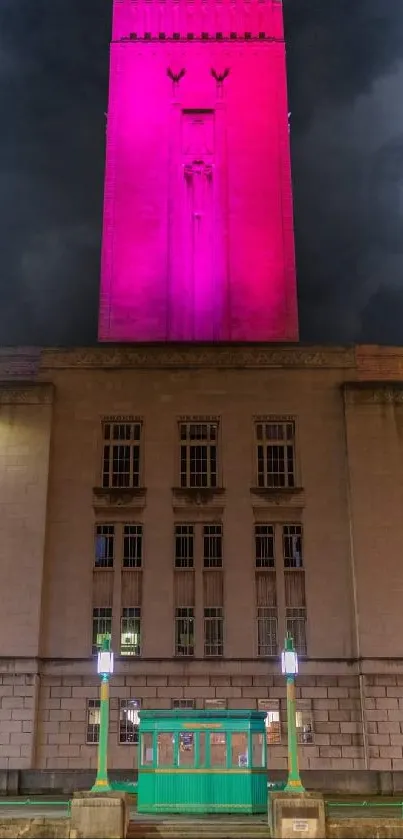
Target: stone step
[(199, 829)]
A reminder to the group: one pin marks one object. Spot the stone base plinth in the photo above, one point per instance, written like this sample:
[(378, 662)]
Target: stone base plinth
[(99, 816), (293, 815)]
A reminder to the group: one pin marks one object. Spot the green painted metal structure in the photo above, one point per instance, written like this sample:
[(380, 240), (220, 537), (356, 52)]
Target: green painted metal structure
[(202, 762)]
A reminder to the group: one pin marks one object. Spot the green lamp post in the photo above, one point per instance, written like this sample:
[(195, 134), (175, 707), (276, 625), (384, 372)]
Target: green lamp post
[(289, 666), (105, 670)]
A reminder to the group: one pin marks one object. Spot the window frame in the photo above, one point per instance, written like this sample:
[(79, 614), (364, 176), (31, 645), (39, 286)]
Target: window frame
[(122, 702), (190, 619), (290, 477), (111, 560), (208, 621), (187, 443), (96, 647), (134, 483), (135, 617), (92, 705)]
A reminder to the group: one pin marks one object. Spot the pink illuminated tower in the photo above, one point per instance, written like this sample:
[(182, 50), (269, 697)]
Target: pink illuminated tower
[(198, 240)]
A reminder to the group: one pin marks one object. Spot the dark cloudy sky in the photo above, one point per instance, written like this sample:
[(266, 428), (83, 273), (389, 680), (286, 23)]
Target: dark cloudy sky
[(345, 62)]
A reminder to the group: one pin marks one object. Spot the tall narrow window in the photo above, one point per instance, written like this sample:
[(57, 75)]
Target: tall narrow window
[(184, 546), (184, 631), (104, 545), (129, 721), (132, 545), (294, 580), (101, 626), (267, 631), (275, 448), (198, 454), (121, 454), (93, 720), (212, 546), (130, 632), (213, 631), (264, 546)]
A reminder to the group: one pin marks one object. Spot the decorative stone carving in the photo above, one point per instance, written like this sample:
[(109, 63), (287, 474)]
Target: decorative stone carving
[(260, 356), (118, 497), (288, 495), (373, 393), (27, 394), (199, 496)]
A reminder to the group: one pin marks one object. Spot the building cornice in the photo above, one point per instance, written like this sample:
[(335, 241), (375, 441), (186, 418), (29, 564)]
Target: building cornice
[(193, 357), (26, 393), (373, 393)]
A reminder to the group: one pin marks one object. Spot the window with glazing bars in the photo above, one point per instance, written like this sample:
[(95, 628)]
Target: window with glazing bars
[(93, 720), (132, 545), (198, 454), (129, 721), (186, 704), (212, 546), (295, 625), (101, 626), (184, 546), (130, 631), (264, 546), (267, 631), (292, 546), (304, 724), (121, 454), (104, 545), (275, 443), (184, 631), (213, 631)]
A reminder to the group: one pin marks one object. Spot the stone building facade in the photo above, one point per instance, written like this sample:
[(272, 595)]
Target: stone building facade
[(196, 503)]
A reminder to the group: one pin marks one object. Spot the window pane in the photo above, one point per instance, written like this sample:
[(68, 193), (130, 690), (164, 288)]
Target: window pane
[(101, 627), (184, 546), (104, 545), (186, 749), (275, 454), (239, 750), (212, 546), (213, 632), (129, 721), (184, 631), (264, 545), (130, 632), (132, 545), (258, 750), (146, 749), (218, 751), (292, 546), (198, 455), (93, 720), (121, 455), (165, 749)]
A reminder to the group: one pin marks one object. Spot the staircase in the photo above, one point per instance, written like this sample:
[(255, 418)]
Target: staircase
[(249, 827)]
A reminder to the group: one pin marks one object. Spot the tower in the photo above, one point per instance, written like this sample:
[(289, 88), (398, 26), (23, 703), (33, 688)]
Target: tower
[(198, 240)]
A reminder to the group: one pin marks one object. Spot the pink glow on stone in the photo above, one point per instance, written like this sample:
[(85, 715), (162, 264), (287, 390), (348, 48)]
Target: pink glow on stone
[(198, 240)]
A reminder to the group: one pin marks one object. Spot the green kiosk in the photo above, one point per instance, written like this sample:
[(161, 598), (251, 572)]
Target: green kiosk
[(202, 762)]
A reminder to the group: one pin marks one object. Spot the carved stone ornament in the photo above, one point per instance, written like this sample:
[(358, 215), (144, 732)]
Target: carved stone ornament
[(156, 357), (373, 393), (31, 393), (198, 496), (286, 495), (118, 497)]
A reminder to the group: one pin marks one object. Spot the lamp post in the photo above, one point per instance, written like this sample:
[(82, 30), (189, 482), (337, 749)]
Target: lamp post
[(289, 666), (105, 670)]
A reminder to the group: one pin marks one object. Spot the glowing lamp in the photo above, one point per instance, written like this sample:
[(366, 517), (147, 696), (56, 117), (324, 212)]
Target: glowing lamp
[(289, 658), (105, 659)]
